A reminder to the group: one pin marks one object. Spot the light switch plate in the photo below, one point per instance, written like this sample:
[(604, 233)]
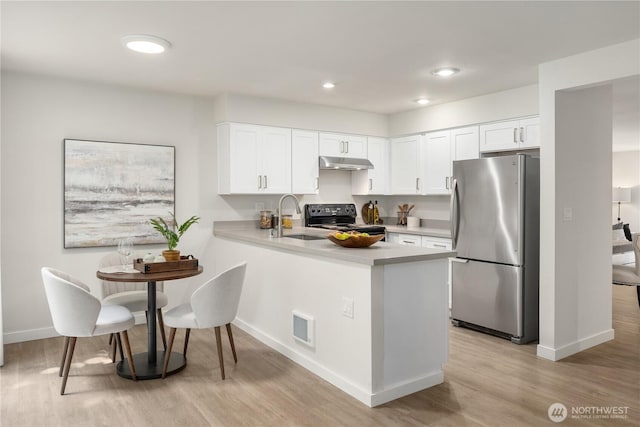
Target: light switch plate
[(567, 214), (347, 307)]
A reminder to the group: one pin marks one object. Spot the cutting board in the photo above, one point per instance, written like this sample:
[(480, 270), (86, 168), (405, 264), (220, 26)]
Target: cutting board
[(365, 213)]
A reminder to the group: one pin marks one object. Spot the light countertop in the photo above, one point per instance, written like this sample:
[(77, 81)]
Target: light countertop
[(378, 254)]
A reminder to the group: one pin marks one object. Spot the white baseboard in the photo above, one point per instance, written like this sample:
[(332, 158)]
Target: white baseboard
[(364, 396), (567, 350), (400, 390), (305, 362), (29, 335), (48, 332)]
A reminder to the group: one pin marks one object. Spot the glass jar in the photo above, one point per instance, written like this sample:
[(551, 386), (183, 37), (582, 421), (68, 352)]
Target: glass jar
[(287, 221), (265, 219)]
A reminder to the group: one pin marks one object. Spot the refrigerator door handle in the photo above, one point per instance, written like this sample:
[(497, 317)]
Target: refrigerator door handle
[(454, 217), (459, 260)]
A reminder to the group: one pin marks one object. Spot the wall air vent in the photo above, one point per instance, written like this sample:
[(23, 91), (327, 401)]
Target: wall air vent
[(303, 328)]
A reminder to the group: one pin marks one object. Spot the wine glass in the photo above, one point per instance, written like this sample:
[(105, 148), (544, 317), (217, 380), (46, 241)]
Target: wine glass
[(125, 249)]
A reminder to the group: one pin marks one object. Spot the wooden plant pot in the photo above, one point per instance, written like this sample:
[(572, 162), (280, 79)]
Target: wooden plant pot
[(173, 255)]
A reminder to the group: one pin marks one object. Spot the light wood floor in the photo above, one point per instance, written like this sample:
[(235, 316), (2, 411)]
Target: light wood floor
[(488, 382)]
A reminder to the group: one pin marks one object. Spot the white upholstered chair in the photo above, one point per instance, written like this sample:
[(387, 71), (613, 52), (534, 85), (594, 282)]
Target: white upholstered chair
[(76, 313), (132, 295), (212, 305), (629, 274)]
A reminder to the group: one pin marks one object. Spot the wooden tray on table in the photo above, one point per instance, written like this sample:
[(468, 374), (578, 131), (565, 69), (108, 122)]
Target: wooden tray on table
[(185, 263)]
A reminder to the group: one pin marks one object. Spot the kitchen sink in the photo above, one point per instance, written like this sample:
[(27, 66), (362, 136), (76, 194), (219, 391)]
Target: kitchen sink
[(304, 236)]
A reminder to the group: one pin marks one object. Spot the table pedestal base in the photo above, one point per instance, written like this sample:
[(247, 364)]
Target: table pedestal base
[(146, 371)]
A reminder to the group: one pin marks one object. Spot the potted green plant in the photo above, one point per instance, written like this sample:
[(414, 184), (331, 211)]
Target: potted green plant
[(172, 233)]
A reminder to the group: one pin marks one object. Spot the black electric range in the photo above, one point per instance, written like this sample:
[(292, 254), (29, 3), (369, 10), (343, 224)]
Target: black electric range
[(340, 216)]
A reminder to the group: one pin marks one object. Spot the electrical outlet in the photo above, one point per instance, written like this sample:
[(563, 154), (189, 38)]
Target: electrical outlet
[(347, 307), (567, 214), (259, 206)]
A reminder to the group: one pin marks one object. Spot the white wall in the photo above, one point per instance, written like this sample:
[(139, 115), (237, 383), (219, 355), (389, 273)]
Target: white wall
[(1, 329), (583, 280), (37, 114), (518, 102), (626, 173), (273, 112), (575, 294)]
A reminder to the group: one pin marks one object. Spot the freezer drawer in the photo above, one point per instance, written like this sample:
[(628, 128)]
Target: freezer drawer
[(487, 295)]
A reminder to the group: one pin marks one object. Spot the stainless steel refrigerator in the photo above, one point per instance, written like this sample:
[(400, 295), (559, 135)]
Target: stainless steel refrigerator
[(495, 216)]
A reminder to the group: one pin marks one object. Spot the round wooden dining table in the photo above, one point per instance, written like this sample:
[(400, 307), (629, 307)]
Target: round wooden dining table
[(149, 364)]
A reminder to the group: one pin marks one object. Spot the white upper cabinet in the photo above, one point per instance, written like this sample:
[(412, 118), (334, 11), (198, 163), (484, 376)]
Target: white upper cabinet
[(510, 135), (342, 145), (253, 159), (440, 150), (465, 143), (437, 162), (276, 160), (406, 165), (530, 133), (304, 162), (376, 180)]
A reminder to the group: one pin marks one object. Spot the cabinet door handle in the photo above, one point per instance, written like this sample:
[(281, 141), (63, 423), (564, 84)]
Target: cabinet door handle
[(342, 146), (439, 246), (521, 134), (446, 184), (370, 183), (265, 181), (347, 144), (515, 135), (317, 183), (418, 184), (409, 242), (259, 181)]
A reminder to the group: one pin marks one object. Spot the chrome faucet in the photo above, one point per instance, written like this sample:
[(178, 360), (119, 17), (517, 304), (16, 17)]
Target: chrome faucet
[(298, 211)]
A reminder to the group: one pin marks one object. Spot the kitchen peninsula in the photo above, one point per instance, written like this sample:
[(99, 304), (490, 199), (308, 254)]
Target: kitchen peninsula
[(372, 321)]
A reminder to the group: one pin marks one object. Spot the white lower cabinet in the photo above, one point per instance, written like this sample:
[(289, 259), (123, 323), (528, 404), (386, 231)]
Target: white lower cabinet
[(419, 240), (409, 240), (425, 242), (436, 242)]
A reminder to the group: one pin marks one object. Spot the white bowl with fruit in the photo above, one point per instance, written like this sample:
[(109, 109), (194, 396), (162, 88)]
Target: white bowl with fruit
[(354, 239)]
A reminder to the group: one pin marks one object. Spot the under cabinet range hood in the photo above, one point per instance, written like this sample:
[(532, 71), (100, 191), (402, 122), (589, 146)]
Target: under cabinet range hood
[(344, 163)]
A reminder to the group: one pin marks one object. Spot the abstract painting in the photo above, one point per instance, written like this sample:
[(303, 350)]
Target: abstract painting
[(113, 189)]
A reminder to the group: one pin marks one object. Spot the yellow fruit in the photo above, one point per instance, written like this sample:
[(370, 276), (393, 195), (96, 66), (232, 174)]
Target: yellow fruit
[(364, 234)]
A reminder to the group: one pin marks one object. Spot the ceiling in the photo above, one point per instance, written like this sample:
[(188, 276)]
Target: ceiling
[(379, 54)]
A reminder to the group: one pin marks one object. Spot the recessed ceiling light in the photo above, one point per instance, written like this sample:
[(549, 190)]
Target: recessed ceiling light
[(144, 43), (328, 85), (445, 72), (422, 101)]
